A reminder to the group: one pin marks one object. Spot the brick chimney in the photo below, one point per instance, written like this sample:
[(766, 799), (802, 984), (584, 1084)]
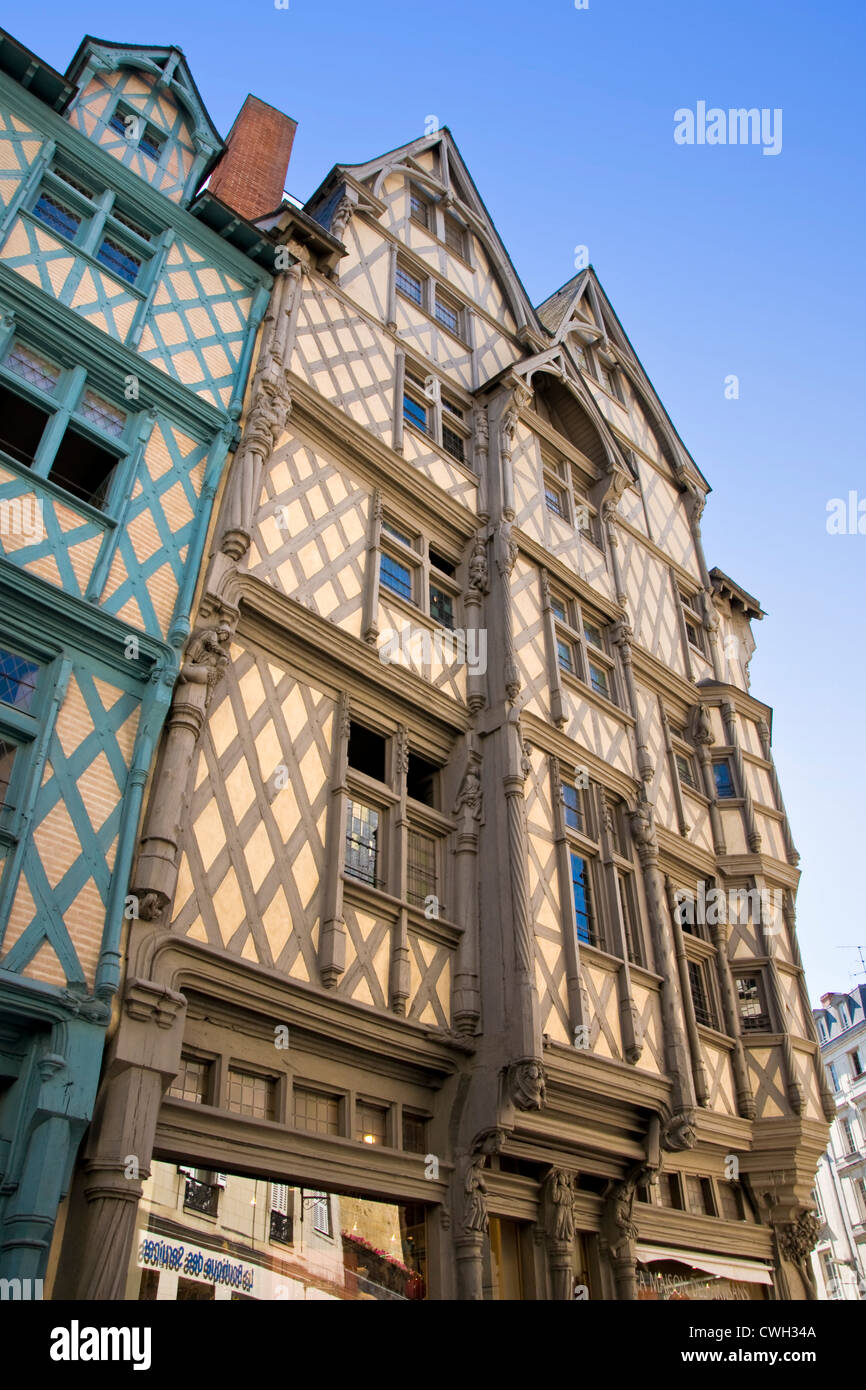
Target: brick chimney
[(251, 175)]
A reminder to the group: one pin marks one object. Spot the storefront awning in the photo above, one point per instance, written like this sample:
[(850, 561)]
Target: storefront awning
[(744, 1270)]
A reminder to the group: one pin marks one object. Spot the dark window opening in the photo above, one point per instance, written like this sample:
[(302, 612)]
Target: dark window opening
[(21, 426), (83, 467), (440, 562), (366, 751), (7, 758), (421, 780), (700, 995), (724, 779), (57, 215)]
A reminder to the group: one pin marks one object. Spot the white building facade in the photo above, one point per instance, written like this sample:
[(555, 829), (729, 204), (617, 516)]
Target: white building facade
[(839, 1258)]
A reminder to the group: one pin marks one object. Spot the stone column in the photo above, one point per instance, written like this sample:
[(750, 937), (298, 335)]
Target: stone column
[(677, 1061), (468, 810), (143, 1059), (559, 1227), (155, 877), (472, 1227), (332, 942)]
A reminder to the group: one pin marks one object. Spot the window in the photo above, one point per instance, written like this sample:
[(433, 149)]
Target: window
[(455, 235), (630, 916), (582, 891), (694, 623), (94, 221), (573, 810), (251, 1095), (724, 779), (414, 1133), (419, 208), (281, 1214), (362, 847), (421, 876), (670, 1194), (320, 1210), (834, 1074), (57, 215), (118, 259), (686, 770), (582, 647), (410, 285), (202, 1190), (730, 1201), (396, 577), (371, 1123), (438, 415), (453, 441), (136, 131), (699, 1199), (856, 1060), (554, 497), (849, 1136), (83, 459), (422, 780), (17, 680), (403, 567), (586, 517), (607, 378), (316, 1111), (701, 994), (448, 313), (7, 760), (750, 999), (193, 1081)]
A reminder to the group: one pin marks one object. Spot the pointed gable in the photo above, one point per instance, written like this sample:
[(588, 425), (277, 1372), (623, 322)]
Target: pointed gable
[(434, 166), (142, 106)]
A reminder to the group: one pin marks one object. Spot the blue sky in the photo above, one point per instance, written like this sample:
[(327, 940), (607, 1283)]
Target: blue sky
[(718, 259)]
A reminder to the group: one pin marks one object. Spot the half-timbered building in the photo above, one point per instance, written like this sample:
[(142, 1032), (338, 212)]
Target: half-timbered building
[(472, 885)]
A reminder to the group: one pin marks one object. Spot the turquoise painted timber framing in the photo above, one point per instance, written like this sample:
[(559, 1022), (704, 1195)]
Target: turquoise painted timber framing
[(101, 599)]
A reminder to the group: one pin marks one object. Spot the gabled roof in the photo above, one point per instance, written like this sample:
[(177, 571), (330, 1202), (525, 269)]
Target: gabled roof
[(171, 70), (457, 187), (37, 76), (559, 315)]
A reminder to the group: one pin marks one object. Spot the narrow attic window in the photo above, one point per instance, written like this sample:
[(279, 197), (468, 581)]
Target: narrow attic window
[(419, 208), (455, 236)]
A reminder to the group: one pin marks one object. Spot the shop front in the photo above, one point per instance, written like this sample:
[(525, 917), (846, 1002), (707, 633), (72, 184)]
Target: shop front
[(670, 1274), (204, 1235)]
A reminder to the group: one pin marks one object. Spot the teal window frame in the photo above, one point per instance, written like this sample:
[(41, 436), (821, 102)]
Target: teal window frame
[(63, 407), (20, 727), (98, 224)]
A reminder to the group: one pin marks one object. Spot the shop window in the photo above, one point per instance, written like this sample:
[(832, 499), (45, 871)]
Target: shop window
[(371, 1123), (193, 1081), (249, 1094), (316, 1111)]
